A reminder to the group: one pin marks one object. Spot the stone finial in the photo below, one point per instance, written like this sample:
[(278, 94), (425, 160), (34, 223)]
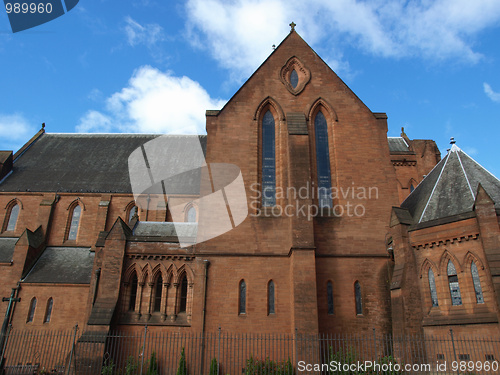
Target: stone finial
[(43, 125), (292, 25), (452, 141)]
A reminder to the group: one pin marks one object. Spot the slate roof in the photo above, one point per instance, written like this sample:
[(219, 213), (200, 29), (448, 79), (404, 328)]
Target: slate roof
[(85, 162), (7, 249), (161, 229), (62, 265), (397, 144), (450, 188)]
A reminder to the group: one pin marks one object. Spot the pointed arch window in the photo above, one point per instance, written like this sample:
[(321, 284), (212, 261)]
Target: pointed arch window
[(268, 160), (183, 296), (48, 310), (329, 297), (323, 161), (133, 293), (191, 215), (158, 291), (31, 312), (242, 309), (477, 283), (456, 298), (358, 298), (432, 287), (270, 298), (13, 215), (75, 222), (132, 213)]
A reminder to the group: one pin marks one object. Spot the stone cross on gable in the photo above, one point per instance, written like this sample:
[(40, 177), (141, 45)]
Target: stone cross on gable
[(292, 25)]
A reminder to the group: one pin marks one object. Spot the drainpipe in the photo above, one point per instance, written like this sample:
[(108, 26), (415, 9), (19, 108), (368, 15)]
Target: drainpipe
[(8, 315), (207, 263)]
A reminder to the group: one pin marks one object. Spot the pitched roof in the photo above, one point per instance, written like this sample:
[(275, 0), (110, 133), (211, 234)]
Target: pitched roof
[(62, 265), (398, 144), (83, 162), (450, 188), (7, 249)]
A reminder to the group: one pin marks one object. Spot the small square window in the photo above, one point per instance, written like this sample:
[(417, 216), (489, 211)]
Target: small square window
[(464, 357)]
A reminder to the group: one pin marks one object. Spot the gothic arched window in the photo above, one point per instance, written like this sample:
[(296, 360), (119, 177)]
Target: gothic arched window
[(183, 295), (242, 309), (268, 160), (191, 215), (432, 287), (132, 213), (48, 311), (270, 297), (31, 313), (329, 297), (477, 283), (358, 298), (158, 290), (13, 215), (75, 222), (456, 298), (323, 161), (133, 293)]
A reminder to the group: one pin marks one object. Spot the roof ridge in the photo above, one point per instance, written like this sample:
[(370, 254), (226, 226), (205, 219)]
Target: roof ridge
[(465, 174), (434, 188)]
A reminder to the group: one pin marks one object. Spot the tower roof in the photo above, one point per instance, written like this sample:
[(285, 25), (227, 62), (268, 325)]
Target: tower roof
[(450, 188)]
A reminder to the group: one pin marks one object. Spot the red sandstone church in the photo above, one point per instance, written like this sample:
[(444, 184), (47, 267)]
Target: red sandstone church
[(418, 252)]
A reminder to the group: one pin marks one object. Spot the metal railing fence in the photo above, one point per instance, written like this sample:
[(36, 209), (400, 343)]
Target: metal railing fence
[(155, 352)]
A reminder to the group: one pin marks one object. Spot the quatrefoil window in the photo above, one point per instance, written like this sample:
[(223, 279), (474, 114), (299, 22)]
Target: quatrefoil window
[(294, 75)]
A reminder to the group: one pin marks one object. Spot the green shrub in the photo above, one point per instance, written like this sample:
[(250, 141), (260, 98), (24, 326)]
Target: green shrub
[(108, 367), (131, 366), (182, 369), (213, 367), (268, 367), (152, 365)]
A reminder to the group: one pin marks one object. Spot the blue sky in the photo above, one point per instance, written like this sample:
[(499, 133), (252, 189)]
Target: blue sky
[(155, 66)]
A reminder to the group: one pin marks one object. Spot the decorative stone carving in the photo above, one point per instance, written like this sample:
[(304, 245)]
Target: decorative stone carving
[(303, 75)]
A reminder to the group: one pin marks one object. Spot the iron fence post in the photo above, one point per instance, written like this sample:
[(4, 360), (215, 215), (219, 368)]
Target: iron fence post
[(218, 352), (72, 350), (454, 351), (375, 343), (143, 347)]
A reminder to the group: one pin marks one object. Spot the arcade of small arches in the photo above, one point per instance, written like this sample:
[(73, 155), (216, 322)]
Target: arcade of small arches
[(163, 294), (448, 281)]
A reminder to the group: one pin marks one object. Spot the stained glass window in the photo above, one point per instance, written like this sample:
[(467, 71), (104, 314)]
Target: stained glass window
[(477, 283), (14, 213), (359, 300), (329, 296), (323, 161), (456, 298), (294, 78), (432, 286), (132, 213), (270, 297), (268, 161), (48, 311), (31, 313), (75, 222), (243, 297)]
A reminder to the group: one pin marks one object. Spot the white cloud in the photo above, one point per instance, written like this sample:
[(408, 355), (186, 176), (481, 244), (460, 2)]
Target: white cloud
[(495, 96), (15, 129), (239, 34), (148, 35), (153, 102)]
